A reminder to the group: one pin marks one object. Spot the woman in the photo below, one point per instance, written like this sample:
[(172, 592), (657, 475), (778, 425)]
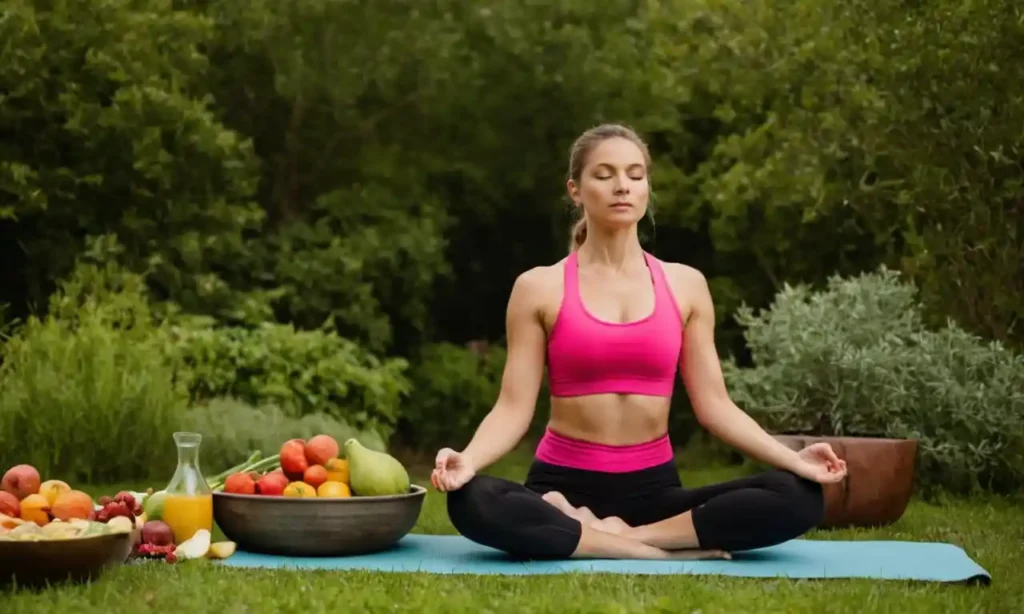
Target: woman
[(613, 324)]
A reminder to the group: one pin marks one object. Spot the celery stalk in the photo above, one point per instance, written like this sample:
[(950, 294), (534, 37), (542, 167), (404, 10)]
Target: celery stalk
[(220, 477)]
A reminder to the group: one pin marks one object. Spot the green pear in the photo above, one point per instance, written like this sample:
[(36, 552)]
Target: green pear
[(154, 505), (374, 474)]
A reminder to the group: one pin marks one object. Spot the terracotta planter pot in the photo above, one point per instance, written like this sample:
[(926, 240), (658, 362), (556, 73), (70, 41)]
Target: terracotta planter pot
[(878, 483)]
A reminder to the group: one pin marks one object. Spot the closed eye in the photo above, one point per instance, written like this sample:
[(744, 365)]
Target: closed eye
[(635, 172), (634, 178)]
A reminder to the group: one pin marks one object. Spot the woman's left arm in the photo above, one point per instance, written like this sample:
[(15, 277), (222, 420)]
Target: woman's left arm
[(701, 372)]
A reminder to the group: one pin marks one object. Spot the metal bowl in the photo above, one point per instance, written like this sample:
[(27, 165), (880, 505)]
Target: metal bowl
[(44, 562), (314, 526)]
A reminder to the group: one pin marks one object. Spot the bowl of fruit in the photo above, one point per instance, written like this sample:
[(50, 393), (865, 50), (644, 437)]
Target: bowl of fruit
[(74, 551), (317, 504), (49, 532)]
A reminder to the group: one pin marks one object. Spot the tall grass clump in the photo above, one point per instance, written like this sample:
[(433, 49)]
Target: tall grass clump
[(86, 391)]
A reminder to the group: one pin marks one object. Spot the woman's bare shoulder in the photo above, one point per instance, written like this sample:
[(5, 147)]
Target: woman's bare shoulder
[(540, 284), (690, 288), (685, 276), (541, 278)]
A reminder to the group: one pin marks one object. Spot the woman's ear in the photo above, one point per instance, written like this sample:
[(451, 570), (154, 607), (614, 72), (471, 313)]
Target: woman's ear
[(574, 192)]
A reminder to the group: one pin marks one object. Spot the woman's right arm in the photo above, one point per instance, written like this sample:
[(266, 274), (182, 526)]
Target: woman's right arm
[(507, 422)]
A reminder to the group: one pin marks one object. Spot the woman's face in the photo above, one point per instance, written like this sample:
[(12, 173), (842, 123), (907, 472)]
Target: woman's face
[(613, 187)]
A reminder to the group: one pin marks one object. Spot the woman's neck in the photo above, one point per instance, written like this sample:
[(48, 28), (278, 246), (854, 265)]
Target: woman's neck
[(618, 251)]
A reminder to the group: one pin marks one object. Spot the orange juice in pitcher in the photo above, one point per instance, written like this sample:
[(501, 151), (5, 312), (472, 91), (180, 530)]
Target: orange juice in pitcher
[(188, 504), (186, 514)]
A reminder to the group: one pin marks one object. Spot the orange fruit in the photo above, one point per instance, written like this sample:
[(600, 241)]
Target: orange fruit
[(72, 504), (337, 470), (334, 490), (35, 508), (296, 489)]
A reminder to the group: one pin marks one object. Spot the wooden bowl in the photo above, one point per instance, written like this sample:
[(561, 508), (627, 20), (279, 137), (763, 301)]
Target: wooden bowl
[(317, 526), (44, 562)]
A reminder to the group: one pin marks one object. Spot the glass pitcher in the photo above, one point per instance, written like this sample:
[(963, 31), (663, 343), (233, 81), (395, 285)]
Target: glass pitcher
[(188, 502)]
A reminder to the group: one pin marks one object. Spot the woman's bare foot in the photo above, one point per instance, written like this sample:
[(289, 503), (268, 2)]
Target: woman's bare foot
[(558, 500), (583, 514), (611, 524), (604, 537), (699, 555), (587, 517), (609, 537)]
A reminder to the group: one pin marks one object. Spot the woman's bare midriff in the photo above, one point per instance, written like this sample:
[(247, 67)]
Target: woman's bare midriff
[(610, 419)]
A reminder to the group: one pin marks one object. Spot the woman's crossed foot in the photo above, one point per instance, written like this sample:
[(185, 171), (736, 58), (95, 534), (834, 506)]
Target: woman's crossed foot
[(617, 526)]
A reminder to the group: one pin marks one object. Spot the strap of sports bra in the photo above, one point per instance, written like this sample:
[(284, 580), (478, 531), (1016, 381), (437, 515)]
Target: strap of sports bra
[(571, 277), (657, 273), (662, 289)]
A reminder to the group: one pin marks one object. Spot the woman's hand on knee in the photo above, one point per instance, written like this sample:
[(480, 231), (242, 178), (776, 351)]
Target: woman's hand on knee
[(819, 463), (451, 470)]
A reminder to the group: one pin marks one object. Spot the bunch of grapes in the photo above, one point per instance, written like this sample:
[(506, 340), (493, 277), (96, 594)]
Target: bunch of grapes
[(123, 504)]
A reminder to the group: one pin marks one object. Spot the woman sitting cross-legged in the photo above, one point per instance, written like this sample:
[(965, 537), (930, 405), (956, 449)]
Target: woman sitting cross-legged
[(613, 325)]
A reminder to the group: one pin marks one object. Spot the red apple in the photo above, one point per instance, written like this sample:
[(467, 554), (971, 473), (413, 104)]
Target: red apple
[(21, 481), (158, 533)]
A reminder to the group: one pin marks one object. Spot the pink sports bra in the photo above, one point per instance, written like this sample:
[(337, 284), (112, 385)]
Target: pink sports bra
[(586, 355)]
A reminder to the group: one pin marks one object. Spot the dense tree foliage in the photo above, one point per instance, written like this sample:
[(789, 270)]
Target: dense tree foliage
[(387, 168), (311, 159)]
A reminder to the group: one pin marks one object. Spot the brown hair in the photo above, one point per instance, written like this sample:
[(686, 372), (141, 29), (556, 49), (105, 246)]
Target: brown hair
[(581, 149)]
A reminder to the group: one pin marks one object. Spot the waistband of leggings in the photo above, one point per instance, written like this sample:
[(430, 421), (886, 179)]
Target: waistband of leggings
[(557, 449)]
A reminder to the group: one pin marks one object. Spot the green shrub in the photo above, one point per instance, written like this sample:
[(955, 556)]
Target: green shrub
[(86, 391), (302, 372), (453, 388), (232, 430), (855, 359)]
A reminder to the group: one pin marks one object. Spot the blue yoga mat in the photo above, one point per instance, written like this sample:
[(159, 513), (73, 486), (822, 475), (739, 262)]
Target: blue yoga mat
[(800, 558)]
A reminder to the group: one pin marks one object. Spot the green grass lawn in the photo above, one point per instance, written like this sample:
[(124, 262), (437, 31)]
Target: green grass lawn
[(991, 530)]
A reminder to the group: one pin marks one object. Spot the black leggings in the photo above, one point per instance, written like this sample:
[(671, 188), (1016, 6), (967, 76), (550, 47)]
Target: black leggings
[(742, 514)]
